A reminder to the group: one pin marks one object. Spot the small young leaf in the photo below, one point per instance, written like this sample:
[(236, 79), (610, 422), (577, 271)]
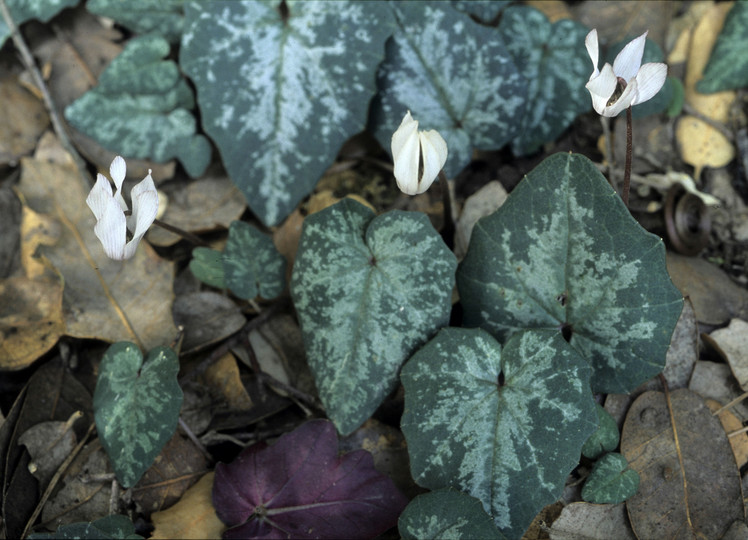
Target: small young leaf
[(728, 64), (447, 514), (162, 17), (605, 439), (369, 291), (251, 264), (281, 86), (207, 266), (504, 426), (139, 108), (548, 56), (136, 407), (300, 488), (114, 527), (454, 75), (611, 481), (564, 253)]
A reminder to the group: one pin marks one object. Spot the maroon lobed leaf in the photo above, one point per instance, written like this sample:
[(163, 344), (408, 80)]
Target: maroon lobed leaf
[(300, 488)]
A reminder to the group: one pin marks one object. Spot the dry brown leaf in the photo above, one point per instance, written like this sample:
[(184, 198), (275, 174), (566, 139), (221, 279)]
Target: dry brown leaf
[(730, 423), (715, 297), (175, 469), (192, 517), (24, 120), (690, 484), (224, 380), (207, 317), (286, 239), (732, 345), (49, 444), (555, 10), (715, 381), (587, 521), (483, 202), (619, 20), (702, 145), (103, 299)]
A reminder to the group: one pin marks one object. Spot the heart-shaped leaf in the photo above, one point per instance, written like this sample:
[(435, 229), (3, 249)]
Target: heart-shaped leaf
[(136, 407), (369, 291), (728, 64), (504, 426), (281, 86), (551, 58), (447, 513), (207, 266), (454, 75), (140, 108), (300, 488), (251, 264), (605, 439), (564, 253), (162, 17), (611, 481)]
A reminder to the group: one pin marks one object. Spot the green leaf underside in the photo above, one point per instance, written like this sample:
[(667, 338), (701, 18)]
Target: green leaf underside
[(207, 266), (454, 75), (368, 291), (548, 56), (511, 447), (251, 264), (611, 481), (162, 17), (447, 514), (563, 251), (605, 439), (136, 407), (728, 64), (140, 108), (280, 97)]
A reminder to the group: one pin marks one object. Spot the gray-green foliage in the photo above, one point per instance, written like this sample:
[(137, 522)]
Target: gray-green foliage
[(454, 75), (140, 108), (251, 264), (368, 291), (24, 10), (207, 266), (605, 439), (136, 407), (447, 514), (564, 253), (728, 64), (279, 93), (611, 481), (162, 17), (503, 425)]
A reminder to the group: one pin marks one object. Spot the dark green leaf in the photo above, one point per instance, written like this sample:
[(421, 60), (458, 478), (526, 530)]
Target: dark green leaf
[(162, 17), (447, 514), (485, 10), (24, 10), (207, 266), (564, 253), (605, 439), (728, 64), (281, 90), (504, 426), (139, 108), (454, 75), (251, 264), (136, 407), (550, 57), (611, 481), (369, 291), (114, 527)]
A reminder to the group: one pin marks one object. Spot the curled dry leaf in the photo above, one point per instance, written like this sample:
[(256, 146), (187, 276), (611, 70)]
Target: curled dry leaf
[(732, 345), (192, 517)]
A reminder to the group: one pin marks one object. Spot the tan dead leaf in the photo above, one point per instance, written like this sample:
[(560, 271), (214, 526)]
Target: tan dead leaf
[(592, 522), (538, 529), (621, 19), (483, 202), (690, 485), (679, 30), (732, 344), (712, 380), (731, 423), (286, 239), (176, 468), (192, 517), (224, 380), (103, 299), (207, 317), (555, 10), (702, 145), (49, 444), (24, 120)]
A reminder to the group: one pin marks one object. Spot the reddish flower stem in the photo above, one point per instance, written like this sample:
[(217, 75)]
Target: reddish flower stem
[(629, 153)]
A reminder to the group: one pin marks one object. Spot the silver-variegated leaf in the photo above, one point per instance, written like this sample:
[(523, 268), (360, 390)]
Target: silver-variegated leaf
[(281, 86), (503, 426), (454, 75), (368, 291)]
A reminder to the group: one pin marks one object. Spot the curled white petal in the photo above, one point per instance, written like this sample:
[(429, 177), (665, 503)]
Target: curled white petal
[(650, 79), (590, 42), (434, 152), (413, 150), (629, 60)]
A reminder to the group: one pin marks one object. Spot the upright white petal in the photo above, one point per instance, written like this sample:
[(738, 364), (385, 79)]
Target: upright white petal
[(111, 230), (118, 170), (650, 79), (434, 153), (144, 206), (99, 197), (405, 155), (592, 49), (628, 61)]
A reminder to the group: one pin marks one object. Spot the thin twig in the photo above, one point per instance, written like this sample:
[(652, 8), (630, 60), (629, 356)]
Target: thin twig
[(734, 402), (195, 440), (28, 61)]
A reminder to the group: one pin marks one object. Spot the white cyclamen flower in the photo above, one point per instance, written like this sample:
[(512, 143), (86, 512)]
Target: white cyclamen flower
[(109, 208), (418, 156), (627, 82)]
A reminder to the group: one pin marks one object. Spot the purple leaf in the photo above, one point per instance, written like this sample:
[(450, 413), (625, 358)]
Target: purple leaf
[(300, 488)]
